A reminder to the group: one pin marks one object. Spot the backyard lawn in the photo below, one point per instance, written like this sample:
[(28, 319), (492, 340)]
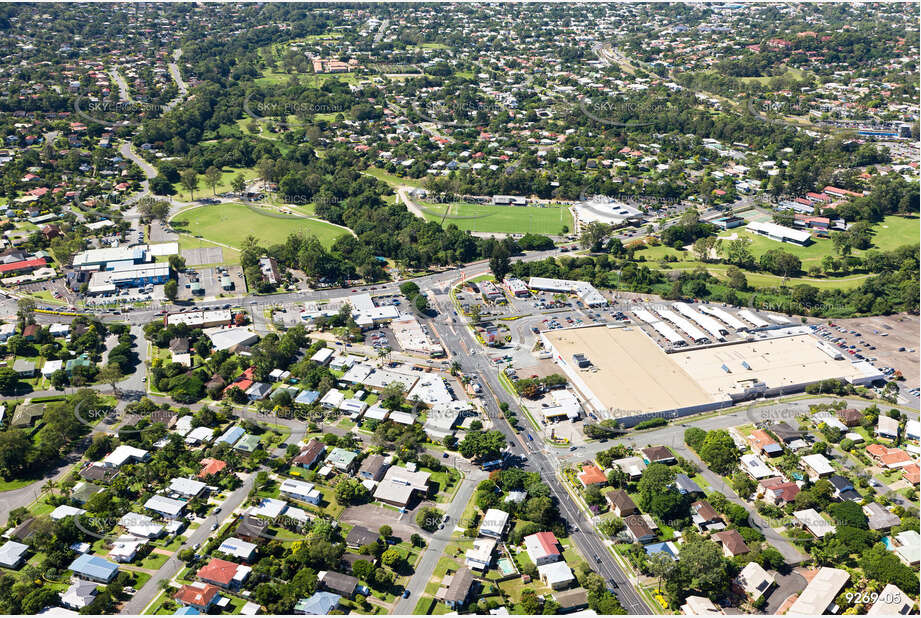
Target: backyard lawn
[(230, 224)]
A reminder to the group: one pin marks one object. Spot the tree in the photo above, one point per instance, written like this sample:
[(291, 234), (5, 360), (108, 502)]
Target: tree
[(703, 247), (392, 558), (362, 569), (392, 395), (385, 531), (161, 186), (171, 289), (530, 603), (704, 563), (177, 263), (482, 445), (16, 451), (780, 262), (429, 518), (9, 380), (720, 452), (238, 184), (421, 303), (593, 234), (660, 565), (213, 178), (25, 311), (737, 279), (111, 374), (743, 484), (694, 437), (738, 252), (848, 514), (189, 180), (499, 262), (265, 167), (657, 493), (842, 243), (349, 491)]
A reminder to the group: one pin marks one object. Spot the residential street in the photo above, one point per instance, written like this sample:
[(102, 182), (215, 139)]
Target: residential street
[(171, 567), (437, 543)]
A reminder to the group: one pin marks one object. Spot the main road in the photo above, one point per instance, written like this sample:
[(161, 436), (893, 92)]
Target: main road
[(475, 362)]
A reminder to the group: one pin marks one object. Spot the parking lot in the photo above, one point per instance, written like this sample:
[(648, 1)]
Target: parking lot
[(889, 342), (209, 280), (57, 288), (203, 255), (159, 233), (126, 296)]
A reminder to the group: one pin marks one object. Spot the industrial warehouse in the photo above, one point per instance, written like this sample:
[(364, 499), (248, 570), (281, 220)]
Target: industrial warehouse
[(622, 372)]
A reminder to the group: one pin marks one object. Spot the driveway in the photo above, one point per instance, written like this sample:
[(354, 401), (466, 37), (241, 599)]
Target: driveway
[(787, 585)]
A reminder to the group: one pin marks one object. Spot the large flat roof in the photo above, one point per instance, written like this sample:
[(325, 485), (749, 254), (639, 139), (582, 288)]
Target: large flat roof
[(633, 375), (783, 361)]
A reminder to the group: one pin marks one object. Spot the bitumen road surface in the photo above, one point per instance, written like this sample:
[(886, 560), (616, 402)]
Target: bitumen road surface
[(143, 597), (474, 361)]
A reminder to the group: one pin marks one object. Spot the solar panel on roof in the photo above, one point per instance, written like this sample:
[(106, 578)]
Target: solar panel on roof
[(725, 368), (746, 365)]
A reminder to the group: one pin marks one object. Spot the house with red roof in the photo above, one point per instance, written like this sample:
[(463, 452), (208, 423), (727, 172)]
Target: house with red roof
[(211, 466), (592, 475), (199, 595), (777, 491), (242, 381), (889, 457), (836, 192), (542, 548), (912, 473), (224, 573)]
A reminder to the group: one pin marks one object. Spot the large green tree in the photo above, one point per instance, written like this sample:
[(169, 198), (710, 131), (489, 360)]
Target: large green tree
[(482, 445), (719, 452)]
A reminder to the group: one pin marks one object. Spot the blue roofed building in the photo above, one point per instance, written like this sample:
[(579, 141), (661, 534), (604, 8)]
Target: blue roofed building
[(307, 397), (94, 568), (231, 435), (668, 548), (320, 604)]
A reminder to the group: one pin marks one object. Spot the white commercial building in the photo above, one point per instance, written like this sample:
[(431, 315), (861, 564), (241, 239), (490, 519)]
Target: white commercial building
[(584, 290), (367, 314), (200, 319), (411, 337), (780, 233), (430, 390), (231, 338)]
